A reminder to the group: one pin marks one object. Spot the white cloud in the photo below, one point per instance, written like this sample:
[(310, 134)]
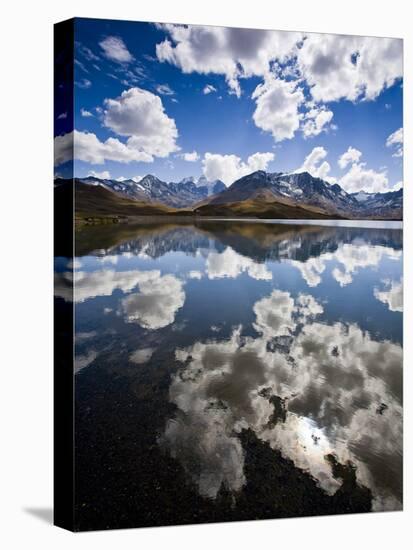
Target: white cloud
[(140, 115), (395, 140), (62, 116), (316, 166), (87, 147), (277, 109), (190, 157), (334, 66), (229, 168), (114, 49), (137, 114), (349, 67), (360, 178), (164, 89), (208, 89), (316, 120), (105, 175), (85, 113), (392, 295), (350, 156), (233, 53)]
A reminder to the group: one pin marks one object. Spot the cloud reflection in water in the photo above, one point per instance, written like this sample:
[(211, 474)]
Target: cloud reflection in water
[(334, 380)]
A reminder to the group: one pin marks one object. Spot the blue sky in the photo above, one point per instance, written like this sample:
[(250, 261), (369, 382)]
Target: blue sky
[(290, 101)]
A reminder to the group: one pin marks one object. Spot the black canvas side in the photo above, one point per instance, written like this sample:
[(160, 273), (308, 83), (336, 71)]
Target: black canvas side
[(63, 308)]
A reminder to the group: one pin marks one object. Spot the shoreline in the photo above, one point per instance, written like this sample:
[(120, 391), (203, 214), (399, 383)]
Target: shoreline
[(190, 219)]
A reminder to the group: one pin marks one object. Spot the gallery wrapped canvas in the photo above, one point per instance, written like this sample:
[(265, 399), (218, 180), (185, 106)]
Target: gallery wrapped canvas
[(228, 274)]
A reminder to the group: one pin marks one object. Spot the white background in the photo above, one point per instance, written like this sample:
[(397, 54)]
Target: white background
[(26, 271)]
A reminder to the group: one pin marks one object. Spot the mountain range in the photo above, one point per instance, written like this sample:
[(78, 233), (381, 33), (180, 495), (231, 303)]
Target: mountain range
[(259, 194), (186, 192)]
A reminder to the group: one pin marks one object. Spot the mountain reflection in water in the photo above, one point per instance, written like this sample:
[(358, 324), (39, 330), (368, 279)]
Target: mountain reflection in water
[(234, 370)]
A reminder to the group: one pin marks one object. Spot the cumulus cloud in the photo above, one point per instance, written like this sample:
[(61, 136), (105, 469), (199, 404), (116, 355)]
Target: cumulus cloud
[(349, 157), (316, 120), (360, 178), (114, 49), (316, 166), (140, 115), (334, 67), (105, 175), (137, 114), (156, 303), (233, 53), (229, 168), (231, 264), (209, 89), (190, 157), (277, 107), (349, 67), (395, 141), (392, 295), (86, 146)]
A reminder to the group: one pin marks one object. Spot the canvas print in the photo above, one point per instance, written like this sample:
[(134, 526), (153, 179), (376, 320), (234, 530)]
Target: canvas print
[(228, 267)]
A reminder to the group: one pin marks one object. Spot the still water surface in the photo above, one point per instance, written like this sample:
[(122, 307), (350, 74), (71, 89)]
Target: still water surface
[(234, 370)]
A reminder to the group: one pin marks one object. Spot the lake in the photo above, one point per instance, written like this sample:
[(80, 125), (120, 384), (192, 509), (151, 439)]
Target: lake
[(227, 370)]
